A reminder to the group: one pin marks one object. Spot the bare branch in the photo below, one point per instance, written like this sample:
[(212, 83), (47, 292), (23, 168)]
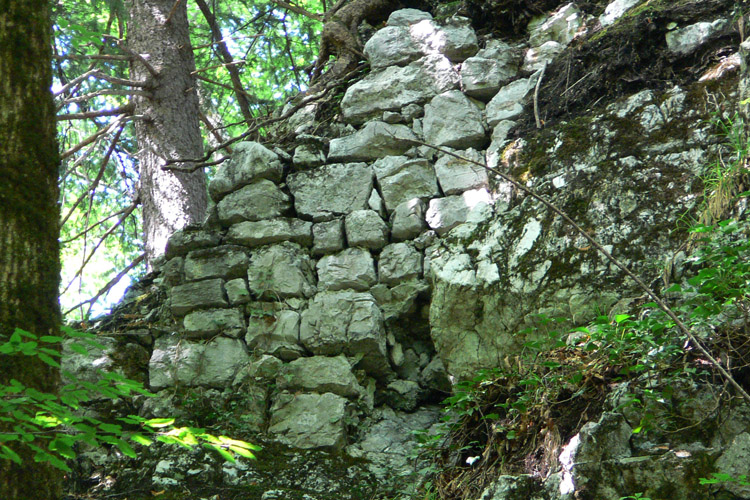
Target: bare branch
[(224, 85), (223, 65), (99, 175), (75, 82), (121, 44), (104, 130), (226, 56), (126, 109), (106, 288), (94, 225), (102, 92), (120, 81), (298, 10), (99, 57)]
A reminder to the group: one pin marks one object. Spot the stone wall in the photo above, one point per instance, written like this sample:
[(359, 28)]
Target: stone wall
[(344, 283)]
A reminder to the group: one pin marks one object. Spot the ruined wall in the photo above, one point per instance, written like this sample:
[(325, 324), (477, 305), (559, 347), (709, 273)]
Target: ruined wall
[(342, 283)]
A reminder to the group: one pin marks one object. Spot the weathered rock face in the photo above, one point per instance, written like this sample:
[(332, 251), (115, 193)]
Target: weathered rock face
[(347, 282)]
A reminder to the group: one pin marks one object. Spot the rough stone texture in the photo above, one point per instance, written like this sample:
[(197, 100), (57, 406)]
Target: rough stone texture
[(401, 180), (348, 188), (185, 240), (346, 322), (375, 140), (365, 228), (446, 213), (281, 271), (249, 161), (237, 291), (202, 294), (399, 262), (407, 220), (734, 461), (276, 332), (319, 374), (481, 78), (352, 268), (219, 262), (257, 201), (685, 40), (175, 361), (403, 395), (309, 420), (538, 57), (328, 237), (405, 17), (211, 322), (561, 26), (509, 101), (456, 176), (396, 87), (615, 10), (456, 41), (451, 119), (254, 234), (390, 46)]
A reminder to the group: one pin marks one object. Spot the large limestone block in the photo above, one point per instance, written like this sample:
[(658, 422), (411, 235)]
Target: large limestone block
[(396, 87), (537, 58), (346, 322), (484, 74), (561, 26), (446, 213), (509, 101), (405, 17), (399, 262), (352, 268), (260, 200), (211, 322), (185, 240), (177, 361), (221, 262), (249, 161), (328, 237), (319, 374), (331, 191), (281, 271), (254, 234), (684, 41), (615, 10), (275, 333), (456, 176), (201, 294), (452, 120), (407, 220), (390, 46), (375, 140), (401, 179), (365, 228), (456, 40), (309, 420)]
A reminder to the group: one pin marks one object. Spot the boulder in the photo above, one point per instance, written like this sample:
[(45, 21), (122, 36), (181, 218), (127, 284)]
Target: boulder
[(446, 213), (405, 17), (185, 240), (225, 262), (684, 41), (201, 294), (365, 228), (309, 420), (319, 374), (509, 101), (390, 46), (452, 119), (212, 322), (275, 332), (347, 188), (375, 140), (407, 220), (254, 234), (401, 179), (237, 291), (257, 201), (249, 161), (399, 262), (352, 268), (456, 176), (561, 26), (175, 361), (328, 237), (346, 322), (281, 271), (456, 40), (396, 87)]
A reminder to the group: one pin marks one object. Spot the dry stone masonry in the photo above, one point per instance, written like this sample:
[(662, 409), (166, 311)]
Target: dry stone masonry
[(360, 273)]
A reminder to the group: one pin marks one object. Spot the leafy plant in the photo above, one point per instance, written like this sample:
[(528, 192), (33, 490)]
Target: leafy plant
[(51, 424)]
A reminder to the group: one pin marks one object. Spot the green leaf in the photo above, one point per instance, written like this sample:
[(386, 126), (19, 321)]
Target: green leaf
[(158, 423), (243, 452), (140, 439), (45, 358), (78, 348), (6, 452)]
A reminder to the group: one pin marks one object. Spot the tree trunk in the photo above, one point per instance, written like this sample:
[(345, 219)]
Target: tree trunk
[(158, 31), (29, 219)]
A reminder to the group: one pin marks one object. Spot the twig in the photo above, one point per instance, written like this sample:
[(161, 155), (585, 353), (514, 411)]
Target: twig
[(126, 109), (102, 57), (536, 96), (124, 48), (643, 286), (298, 10), (172, 11), (102, 92)]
